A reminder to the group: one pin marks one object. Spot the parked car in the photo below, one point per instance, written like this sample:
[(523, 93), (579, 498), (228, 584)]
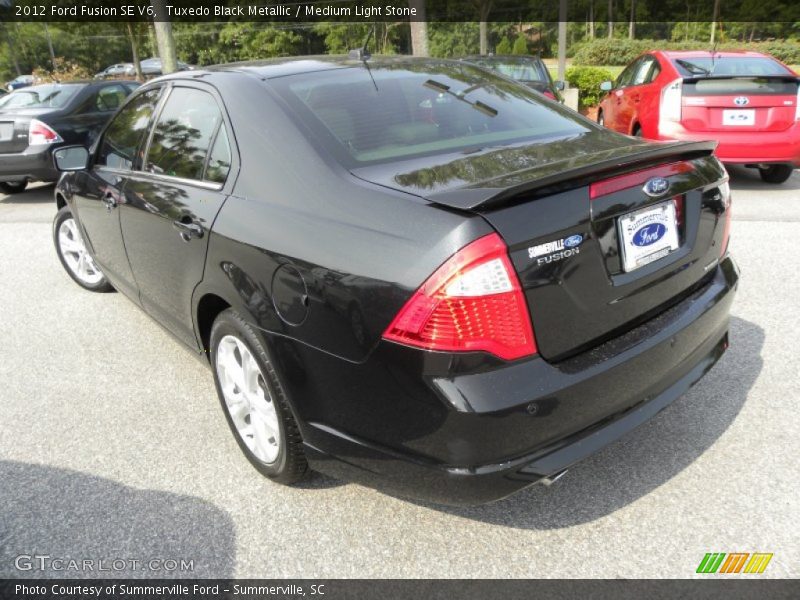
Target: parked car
[(38, 119), (118, 70), (152, 67), (530, 285), (747, 101), (20, 82), (528, 70)]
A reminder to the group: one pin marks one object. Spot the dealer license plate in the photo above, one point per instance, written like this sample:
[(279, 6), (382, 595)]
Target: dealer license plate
[(647, 235), (738, 117)]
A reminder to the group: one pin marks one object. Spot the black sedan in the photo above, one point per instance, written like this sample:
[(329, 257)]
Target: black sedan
[(414, 274), (38, 119), (528, 70)]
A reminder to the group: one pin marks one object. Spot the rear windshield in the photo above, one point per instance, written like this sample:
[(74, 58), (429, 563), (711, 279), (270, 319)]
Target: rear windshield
[(736, 66), (41, 96), (519, 70), (406, 110)]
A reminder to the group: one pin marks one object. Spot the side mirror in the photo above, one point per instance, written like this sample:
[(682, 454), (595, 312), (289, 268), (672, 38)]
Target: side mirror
[(71, 158), (607, 86), (560, 85)]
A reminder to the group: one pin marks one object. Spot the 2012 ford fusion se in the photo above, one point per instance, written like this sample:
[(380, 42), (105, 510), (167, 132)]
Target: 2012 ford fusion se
[(410, 273)]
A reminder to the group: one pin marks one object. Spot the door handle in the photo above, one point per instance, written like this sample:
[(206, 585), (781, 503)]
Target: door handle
[(188, 229), (109, 201)]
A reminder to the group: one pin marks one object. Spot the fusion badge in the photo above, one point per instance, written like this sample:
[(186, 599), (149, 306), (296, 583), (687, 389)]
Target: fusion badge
[(556, 250)]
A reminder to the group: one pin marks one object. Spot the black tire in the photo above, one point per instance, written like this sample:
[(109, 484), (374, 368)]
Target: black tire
[(775, 173), (637, 131), (13, 187), (101, 286), (600, 119), (291, 465)]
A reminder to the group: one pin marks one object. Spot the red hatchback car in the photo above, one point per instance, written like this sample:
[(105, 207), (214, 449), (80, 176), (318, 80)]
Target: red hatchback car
[(748, 102)]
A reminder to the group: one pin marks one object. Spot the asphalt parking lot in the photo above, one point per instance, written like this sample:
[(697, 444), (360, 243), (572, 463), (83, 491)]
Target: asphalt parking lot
[(113, 445)]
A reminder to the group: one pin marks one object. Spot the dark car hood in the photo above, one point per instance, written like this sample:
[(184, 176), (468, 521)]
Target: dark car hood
[(466, 181)]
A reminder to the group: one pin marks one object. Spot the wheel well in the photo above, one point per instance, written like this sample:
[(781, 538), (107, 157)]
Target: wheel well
[(636, 127), (207, 310), (60, 202)]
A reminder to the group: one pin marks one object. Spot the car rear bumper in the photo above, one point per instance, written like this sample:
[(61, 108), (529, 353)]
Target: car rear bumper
[(744, 147), (484, 433), (35, 164)]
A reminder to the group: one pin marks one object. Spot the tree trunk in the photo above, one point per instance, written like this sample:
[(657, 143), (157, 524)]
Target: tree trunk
[(50, 47), (610, 19), (591, 19), (484, 37), (419, 29), (632, 22), (166, 43), (562, 40), (714, 21), (137, 63), (11, 49)]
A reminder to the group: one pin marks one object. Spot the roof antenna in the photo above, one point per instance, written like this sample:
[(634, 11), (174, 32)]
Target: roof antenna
[(713, 56), (362, 53)]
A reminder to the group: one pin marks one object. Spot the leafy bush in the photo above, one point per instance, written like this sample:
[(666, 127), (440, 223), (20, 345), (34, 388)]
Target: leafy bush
[(588, 80), (504, 47), (788, 52), (64, 71), (520, 45), (612, 52), (621, 52)]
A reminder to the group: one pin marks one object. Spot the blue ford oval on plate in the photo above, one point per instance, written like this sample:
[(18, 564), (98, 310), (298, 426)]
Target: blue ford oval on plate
[(573, 240), (649, 234)]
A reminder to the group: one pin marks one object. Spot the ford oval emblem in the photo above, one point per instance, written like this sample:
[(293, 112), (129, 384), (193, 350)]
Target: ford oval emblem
[(741, 101), (657, 186), (649, 234), (573, 240)]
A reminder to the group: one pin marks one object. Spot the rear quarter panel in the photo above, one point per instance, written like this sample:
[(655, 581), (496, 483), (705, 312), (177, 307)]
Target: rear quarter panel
[(343, 254)]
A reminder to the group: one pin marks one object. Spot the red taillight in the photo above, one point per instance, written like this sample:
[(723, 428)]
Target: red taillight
[(473, 302), (549, 94), (629, 180), (41, 133)]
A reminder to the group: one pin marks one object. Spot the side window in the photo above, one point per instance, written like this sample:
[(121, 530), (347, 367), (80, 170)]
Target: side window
[(654, 72), (124, 135), (110, 97), (643, 71), (183, 134), (626, 76), (219, 161)]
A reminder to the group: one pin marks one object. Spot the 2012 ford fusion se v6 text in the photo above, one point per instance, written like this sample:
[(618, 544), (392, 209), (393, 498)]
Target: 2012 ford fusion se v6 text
[(410, 273)]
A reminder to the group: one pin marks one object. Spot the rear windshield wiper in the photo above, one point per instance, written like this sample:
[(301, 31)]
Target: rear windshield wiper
[(693, 68), (477, 105)]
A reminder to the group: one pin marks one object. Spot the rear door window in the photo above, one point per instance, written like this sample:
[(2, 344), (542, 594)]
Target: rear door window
[(183, 134), (110, 98)]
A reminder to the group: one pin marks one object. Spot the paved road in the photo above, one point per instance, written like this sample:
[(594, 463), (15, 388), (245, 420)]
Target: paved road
[(112, 445)]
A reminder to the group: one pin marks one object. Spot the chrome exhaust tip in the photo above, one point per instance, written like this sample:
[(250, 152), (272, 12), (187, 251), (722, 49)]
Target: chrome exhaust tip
[(548, 481)]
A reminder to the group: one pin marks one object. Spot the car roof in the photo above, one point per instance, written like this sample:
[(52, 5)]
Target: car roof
[(280, 67), (501, 57), (708, 53)]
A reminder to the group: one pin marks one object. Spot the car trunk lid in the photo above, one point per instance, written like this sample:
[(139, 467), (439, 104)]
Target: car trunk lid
[(722, 103), (566, 245)]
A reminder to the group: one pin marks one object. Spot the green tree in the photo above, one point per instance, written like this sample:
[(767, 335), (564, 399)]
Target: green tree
[(520, 45), (504, 47)]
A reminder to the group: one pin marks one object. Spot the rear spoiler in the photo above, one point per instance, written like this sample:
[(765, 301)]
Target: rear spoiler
[(699, 77), (563, 175)]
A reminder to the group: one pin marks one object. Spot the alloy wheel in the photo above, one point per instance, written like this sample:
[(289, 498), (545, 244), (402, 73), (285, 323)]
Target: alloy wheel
[(248, 399), (73, 250)]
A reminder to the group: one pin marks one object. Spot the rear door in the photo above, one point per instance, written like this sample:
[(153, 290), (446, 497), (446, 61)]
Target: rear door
[(171, 203)]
